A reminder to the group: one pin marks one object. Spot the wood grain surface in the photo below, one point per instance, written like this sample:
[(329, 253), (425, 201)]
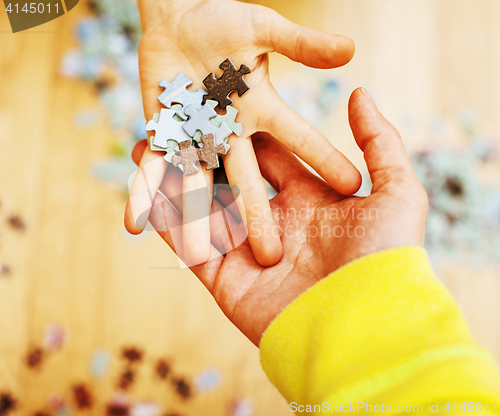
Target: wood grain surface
[(75, 265)]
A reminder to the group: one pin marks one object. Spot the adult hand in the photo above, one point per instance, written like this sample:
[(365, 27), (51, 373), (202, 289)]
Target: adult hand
[(194, 37), (321, 229)]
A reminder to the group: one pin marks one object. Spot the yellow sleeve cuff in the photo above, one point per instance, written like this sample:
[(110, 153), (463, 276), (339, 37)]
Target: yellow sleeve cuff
[(380, 328)]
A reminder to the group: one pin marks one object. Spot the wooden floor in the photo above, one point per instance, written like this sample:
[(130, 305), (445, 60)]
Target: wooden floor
[(75, 265)]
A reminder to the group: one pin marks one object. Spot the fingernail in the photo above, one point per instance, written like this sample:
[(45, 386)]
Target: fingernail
[(364, 91)]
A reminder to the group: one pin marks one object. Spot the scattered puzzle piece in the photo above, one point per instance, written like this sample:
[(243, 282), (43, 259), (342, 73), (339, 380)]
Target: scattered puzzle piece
[(145, 409), (99, 363), (243, 407), (58, 405), (228, 119), (132, 354), (7, 403), (207, 380), (35, 357), (176, 92), (162, 368), (182, 388), (187, 158), (199, 121), (55, 336), (127, 379), (82, 396), (177, 107), (209, 152), (166, 128), (232, 80), (172, 147)]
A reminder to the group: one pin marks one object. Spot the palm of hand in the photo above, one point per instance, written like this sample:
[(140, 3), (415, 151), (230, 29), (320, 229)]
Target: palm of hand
[(321, 230), (194, 40), (186, 43)]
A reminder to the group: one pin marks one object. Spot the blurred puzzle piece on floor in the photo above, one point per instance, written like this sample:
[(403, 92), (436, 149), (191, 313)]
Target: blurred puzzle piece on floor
[(182, 388), (127, 379), (242, 408), (82, 396), (162, 368), (55, 337), (7, 403), (35, 357), (16, 222), (5, 269), (58, 405), (118, 406), (207, 380), (232, 80), (99, 363), (145, 409)]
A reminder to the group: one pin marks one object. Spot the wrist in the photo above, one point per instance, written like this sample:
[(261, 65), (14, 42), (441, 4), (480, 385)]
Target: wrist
[(153, 12)]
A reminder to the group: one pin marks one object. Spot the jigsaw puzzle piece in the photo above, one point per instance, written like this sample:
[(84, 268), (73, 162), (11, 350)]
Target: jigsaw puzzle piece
[(228, 118), (177, 108), (198, 120), (187, 158), (210, 151), (232, 80), (172, 147), (221, 134), (166, 128), (218, 120), (173, 90), (176, 92)]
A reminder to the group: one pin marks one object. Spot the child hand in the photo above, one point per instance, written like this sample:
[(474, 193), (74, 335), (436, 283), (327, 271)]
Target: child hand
[(194, 38), (322, 229)]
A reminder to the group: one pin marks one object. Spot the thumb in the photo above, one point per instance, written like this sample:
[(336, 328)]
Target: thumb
[(311, 47), (384, 153)]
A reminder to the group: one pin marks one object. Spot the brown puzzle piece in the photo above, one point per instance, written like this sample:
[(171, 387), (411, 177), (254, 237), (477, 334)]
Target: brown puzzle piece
[(231, 80), (187, 158), (209, 152)]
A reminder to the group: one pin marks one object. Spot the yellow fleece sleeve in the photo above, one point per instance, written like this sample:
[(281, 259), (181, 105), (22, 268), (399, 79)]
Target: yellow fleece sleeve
[(381, 330)]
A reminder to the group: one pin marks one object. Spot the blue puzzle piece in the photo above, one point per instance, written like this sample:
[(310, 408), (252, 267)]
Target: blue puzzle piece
[(166, 128), (176, 92), (199, 121)]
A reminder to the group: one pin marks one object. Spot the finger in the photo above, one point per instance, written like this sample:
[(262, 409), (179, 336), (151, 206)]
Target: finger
[(196, 204), (227, 199), (146, 182), (311, 146), (243, 171), (138, 151), (384, 153), (171, 185), (278, 165), (168, 222), (225, 232), (309, 46)]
